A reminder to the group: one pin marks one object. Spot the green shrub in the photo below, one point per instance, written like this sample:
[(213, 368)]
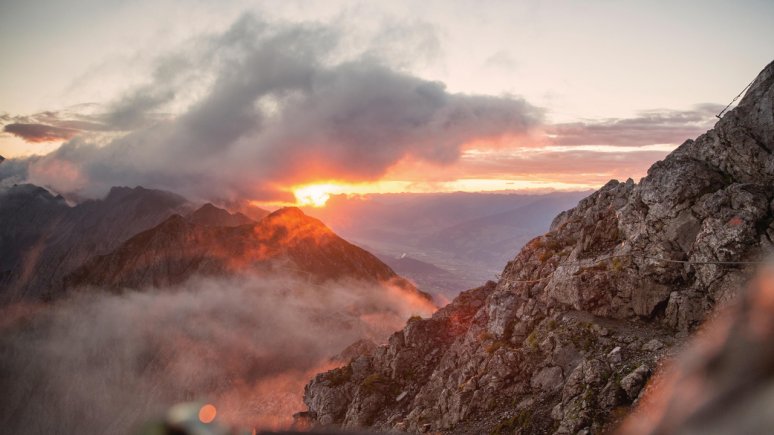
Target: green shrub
[(532, 340), (340, 376), (545, 256), (485, 335), (522, 420), (617, 264), (493, 347), (374, 380)]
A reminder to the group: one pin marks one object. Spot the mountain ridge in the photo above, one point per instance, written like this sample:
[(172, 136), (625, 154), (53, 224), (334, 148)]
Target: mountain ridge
[(583, 315), (286, 241), (41, 232)]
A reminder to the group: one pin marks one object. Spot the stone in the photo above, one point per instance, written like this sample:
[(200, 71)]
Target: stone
[(633, 382), (653, 345), (615, 355), (548, 379)]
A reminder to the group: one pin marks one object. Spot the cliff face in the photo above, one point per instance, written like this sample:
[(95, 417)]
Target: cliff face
[(580, 318)]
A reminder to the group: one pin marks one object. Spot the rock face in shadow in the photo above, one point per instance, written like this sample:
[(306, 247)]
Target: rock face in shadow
[(43, 238), (566, 340)]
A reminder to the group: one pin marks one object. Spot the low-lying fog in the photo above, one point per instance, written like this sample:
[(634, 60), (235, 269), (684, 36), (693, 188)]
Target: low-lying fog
[(100, 362)]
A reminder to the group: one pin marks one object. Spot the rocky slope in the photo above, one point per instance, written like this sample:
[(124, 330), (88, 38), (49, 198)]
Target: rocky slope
[(286, 241), (566, 339)]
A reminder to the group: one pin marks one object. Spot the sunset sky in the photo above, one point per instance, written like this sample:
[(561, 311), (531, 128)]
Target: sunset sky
[(239, 100)]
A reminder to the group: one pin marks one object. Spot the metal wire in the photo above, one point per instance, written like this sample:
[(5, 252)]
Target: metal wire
[(720, 115)]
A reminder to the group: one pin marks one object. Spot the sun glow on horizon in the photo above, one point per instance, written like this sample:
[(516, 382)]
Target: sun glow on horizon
[(314, 195), (317, 194)]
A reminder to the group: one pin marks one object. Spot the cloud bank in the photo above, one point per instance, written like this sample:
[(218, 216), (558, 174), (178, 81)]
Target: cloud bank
[(266, 105), (247, 113), (647, 128), (103, 363)]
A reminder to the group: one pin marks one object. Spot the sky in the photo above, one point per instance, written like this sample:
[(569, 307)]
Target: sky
[(283, 102)]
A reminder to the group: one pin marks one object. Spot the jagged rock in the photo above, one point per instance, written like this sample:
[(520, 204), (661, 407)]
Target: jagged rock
[(363, 347), (570, 332), (634, 381), (723, 382), (549, 379), (615, 355), (653, 345)]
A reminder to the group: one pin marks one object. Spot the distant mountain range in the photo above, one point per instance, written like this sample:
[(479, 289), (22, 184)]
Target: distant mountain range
[(138, 237), (44, 238), (144, 299), (286, 241), (460, 239)]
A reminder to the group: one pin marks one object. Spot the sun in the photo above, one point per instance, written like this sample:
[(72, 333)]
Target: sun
[(314, 195)]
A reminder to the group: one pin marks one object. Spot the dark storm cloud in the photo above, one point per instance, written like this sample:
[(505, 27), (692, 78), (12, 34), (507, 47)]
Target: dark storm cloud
[(279, 104), (648, 128)]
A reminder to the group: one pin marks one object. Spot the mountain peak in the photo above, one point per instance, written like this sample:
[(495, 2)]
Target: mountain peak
[(582, 315), (287, 240), (210, 215), (288, 212), (293, 217), (760, 86)]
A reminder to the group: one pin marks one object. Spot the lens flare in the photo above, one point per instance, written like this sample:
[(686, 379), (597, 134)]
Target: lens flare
[(207, 413)]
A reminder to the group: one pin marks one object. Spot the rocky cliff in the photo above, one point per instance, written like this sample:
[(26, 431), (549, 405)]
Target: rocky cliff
[(566, 339)]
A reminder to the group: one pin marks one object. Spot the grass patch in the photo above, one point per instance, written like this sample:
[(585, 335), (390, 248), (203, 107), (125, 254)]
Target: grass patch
[(373, 381), (493, 347), (532, 340), (485, 336), (522, 420), (340, 376)]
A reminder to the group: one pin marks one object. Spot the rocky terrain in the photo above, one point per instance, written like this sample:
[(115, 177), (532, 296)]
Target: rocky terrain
[(567, 338)]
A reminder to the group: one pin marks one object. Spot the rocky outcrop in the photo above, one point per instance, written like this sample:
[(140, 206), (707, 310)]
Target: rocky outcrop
[(567, 338)]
